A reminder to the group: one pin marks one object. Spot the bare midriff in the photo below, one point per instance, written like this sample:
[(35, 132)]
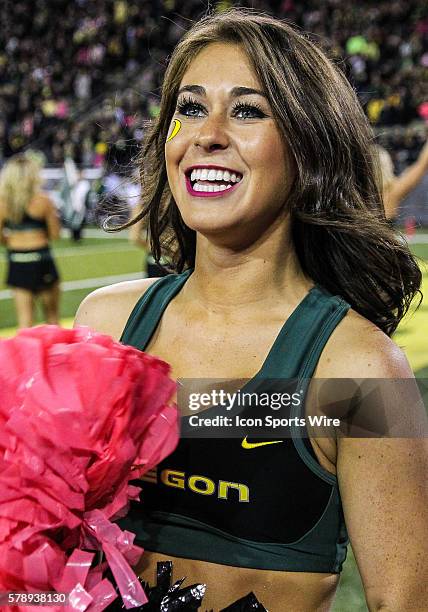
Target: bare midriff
[(278, 591), (27, 240)]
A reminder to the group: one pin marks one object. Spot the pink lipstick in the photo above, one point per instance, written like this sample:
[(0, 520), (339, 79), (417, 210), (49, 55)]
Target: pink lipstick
[(202, 194)]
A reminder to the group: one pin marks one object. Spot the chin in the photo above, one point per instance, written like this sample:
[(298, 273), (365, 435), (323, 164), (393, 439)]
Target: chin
[(204, 218), (211, 229)]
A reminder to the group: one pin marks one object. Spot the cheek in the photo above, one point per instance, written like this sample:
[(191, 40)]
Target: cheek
[(173, 154), (270, 157), (175, 144)]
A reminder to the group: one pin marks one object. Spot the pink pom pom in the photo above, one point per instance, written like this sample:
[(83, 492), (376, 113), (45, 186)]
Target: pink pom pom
[(80, 416)]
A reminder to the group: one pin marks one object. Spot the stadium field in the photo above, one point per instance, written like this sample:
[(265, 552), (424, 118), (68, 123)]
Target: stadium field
[(101, 260)]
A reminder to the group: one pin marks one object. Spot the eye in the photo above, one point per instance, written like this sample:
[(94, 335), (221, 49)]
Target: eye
[(254, 110), (189, 107)]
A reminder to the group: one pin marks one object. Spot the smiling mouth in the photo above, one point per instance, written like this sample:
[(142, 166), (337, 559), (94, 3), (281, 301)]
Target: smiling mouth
[(211, 182)]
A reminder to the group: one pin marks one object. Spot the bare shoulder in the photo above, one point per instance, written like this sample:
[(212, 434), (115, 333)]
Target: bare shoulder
[(359, 349), (42, 203), (107, 310)]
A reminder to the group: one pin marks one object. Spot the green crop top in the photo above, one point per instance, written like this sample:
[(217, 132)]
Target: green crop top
[(271, 508), (27, 223)]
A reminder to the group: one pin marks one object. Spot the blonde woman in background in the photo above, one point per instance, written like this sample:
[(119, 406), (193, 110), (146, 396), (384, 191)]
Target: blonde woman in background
[(396, 188), (28, 221)]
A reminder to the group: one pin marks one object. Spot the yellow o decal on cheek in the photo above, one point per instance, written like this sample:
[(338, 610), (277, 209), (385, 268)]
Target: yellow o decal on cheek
[(175, 129)]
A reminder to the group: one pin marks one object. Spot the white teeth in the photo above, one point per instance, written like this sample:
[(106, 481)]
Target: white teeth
[(210, 174), (210, 188)]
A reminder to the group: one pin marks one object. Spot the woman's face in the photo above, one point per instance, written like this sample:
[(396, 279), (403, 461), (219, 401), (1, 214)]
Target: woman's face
[(228, 166)]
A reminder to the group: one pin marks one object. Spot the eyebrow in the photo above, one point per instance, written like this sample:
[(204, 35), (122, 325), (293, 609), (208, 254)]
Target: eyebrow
[(235, 92)]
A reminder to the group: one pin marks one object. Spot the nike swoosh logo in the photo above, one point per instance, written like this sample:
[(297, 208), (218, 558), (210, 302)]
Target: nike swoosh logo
[(249, 445)]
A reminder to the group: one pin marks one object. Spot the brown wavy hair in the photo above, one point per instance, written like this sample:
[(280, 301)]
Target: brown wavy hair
[(339, 230)]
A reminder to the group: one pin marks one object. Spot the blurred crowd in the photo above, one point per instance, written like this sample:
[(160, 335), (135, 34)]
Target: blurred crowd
[(79, 77)]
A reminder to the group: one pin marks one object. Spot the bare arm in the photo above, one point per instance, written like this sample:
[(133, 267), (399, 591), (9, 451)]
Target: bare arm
[(383, 488), (3, 239), (52, 220), (406, 182), (383, 484)]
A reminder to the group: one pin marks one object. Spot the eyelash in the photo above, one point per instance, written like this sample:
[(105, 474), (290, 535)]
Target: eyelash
[(184, 103)]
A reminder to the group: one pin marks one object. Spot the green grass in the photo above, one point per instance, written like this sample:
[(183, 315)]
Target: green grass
[(350, 594), (116, 261), (97, 257)]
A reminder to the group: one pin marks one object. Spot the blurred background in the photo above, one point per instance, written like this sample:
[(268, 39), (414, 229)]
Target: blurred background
[(79, 78)]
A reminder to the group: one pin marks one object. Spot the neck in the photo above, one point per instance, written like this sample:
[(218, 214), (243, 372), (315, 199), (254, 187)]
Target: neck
[(265, 272)]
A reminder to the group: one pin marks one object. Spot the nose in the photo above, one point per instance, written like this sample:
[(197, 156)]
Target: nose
[(212, 134)]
